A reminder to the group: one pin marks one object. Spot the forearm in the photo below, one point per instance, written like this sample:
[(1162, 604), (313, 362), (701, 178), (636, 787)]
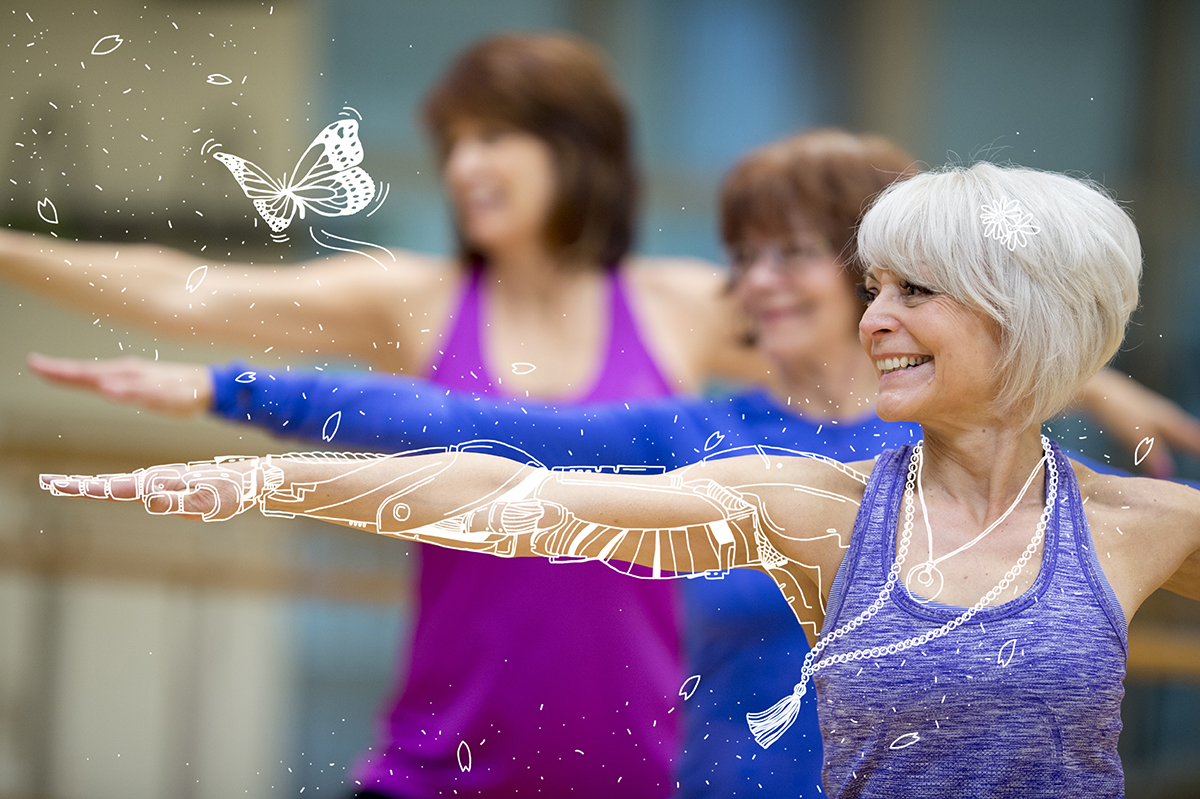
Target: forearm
[(392, 414), (377, 413), (137, 283)]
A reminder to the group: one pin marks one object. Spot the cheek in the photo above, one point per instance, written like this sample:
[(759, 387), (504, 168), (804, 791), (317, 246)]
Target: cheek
[(841, 307), (531, 166)]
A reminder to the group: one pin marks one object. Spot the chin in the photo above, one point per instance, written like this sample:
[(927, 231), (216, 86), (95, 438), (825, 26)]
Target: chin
[(888, 415), (893, 411)]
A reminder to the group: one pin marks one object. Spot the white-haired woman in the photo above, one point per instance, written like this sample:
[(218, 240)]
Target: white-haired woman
[(974, 607)]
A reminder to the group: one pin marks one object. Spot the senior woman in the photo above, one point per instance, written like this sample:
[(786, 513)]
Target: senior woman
[(974, 608)]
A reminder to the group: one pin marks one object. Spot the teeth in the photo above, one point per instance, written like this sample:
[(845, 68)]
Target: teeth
[(886, 365)]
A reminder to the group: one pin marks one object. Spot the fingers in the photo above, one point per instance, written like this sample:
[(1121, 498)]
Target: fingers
[(211, 491), (175, 388), (66, 371), (116, 487), (202, 501)]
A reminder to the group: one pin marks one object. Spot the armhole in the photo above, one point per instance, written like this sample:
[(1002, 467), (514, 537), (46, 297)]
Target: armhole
[(1089, 562), (460, 336), (884, 463)]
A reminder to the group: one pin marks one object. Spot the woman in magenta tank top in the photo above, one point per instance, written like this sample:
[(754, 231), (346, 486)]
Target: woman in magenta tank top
[(548, 306)]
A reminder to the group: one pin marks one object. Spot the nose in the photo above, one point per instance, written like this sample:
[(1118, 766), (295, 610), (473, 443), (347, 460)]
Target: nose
[(762, 267), (464, 156), (877, 320)]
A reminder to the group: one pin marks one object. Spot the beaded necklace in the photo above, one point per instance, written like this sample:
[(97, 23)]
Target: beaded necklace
[(768, 725)]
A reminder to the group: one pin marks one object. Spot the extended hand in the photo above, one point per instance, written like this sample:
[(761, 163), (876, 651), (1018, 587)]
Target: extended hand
[(177, 389), (212, 491), (1149, 424)]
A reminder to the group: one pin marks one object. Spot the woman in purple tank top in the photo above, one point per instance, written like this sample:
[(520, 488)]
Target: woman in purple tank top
[(973, 592)]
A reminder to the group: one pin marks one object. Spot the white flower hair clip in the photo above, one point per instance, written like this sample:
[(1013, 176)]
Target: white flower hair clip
[(1007, 223)]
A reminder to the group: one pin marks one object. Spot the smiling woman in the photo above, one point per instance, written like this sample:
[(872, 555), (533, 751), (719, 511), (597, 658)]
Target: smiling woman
[(1093, 282), (982, 658)]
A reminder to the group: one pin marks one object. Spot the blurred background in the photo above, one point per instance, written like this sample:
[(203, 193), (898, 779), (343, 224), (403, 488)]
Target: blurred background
[(142, 657)]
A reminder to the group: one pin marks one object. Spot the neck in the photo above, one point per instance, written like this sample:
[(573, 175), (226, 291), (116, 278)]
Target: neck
[(838, 384), (531, 274), (984, 466)]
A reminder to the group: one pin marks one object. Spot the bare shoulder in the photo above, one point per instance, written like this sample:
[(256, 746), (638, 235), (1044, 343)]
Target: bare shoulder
[(675, 281), (1143, 530), (689, 315), (1135, 497)]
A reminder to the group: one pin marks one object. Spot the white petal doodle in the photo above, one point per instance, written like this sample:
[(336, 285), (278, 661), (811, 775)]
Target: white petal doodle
[(246, 377), (217, 79), (47, 211), (464, 756), (1143, 449), (196, 278), (331, 426), (107, 44), (1005, 655), (689, 686)]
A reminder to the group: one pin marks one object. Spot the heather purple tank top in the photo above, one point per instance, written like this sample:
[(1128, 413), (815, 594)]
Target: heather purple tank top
[(1022, 701), (560, 679)]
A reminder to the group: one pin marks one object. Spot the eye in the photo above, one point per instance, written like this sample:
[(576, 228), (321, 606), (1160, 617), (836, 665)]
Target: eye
[(492, 134), (740, 260), (913, 290), (865, 294), (807, 251)]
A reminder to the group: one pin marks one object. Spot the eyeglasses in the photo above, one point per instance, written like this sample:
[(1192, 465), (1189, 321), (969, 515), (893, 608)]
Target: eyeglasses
[(787, 259)]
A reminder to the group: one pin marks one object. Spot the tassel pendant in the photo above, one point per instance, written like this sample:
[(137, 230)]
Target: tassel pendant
[(768, 725)]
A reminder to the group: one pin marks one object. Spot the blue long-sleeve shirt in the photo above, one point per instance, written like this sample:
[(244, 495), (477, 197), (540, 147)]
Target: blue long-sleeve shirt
[(742, 639)]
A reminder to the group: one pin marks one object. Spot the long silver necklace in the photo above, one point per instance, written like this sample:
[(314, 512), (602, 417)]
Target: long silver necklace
[(926, 572), (768, 725)]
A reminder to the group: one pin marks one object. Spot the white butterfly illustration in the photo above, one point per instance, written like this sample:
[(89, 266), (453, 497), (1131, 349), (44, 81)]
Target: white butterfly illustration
[(327, 179)]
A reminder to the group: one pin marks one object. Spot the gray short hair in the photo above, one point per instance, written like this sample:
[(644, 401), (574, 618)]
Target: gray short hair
[(1061, 295)]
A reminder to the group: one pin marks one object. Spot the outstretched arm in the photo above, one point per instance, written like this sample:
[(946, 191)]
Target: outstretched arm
[(338, 305), (709, 517), (385, 413), (1145, 422)]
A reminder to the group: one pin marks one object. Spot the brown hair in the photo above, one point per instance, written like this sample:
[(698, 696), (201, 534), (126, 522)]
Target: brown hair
[(557, 88), (829, 175)]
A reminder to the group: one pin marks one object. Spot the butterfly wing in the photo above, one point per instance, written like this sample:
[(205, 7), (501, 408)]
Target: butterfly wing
[(339, 194), (270, 198), (328, 179), (277, 211), (335, 149)]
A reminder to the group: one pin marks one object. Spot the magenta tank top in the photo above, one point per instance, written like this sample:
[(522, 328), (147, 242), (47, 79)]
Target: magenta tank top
[(558, 679)]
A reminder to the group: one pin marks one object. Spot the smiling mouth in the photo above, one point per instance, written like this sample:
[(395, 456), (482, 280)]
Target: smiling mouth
[(889, 365)]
